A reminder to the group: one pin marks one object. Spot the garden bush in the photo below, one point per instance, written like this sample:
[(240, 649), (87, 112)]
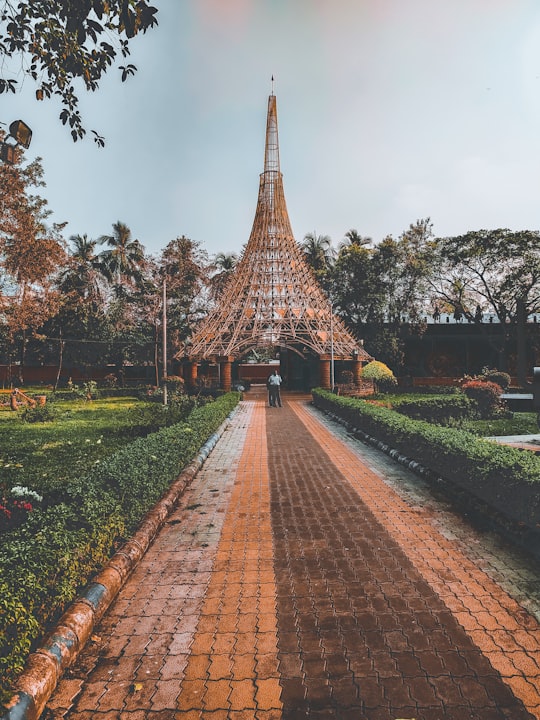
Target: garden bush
[(39, 413), (151, 417), (381, 374), (499, 377), (486, 396), (45, 561), (440, 410)]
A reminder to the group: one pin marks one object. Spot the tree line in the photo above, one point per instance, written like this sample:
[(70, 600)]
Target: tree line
[(88, 302), (379, 287)]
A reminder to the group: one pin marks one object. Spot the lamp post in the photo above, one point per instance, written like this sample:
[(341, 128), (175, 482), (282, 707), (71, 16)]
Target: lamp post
[(164, 340), (332, 379), (21, 134)]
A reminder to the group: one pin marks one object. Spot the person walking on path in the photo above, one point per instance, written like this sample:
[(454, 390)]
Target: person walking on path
[(274, 395)]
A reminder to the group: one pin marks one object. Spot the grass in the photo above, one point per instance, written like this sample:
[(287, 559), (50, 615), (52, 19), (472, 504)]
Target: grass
[(44, 455)]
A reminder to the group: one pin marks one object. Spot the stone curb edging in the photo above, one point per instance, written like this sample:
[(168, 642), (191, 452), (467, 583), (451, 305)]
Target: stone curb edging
[(61, 647)]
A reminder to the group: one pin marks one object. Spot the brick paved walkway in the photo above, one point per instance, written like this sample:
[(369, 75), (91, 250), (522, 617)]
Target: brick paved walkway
[(295, 581)]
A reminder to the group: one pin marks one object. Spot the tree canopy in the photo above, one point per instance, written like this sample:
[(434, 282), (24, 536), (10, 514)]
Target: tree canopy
[(58, 43)]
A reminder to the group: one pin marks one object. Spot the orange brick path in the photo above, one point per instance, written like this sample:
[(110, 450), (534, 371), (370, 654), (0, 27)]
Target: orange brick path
[(292, 582)]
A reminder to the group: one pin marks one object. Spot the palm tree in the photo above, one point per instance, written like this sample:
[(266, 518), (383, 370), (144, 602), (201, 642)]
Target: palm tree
[(353, 237), (82, 274), (224, 263), (318, 251), (123, 264)]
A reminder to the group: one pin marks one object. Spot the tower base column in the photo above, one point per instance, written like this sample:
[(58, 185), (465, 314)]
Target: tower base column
[(357, 372), (192, 373), (225, 374), (324, 372)]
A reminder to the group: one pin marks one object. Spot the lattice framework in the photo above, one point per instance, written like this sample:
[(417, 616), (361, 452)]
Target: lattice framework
[(272, 297)]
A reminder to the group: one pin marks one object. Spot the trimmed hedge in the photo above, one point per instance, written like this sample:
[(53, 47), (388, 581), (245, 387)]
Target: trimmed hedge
[(506, 479), (441, 410), (45, 562)]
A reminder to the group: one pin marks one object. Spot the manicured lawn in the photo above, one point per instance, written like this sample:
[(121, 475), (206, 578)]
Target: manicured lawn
[(44, 455)]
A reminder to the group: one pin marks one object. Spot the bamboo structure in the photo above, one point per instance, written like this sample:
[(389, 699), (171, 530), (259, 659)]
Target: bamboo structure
[(272, 299)]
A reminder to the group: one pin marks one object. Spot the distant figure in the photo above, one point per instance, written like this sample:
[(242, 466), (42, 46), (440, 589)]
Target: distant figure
[(436, 314), (478, 314), (274, 395)]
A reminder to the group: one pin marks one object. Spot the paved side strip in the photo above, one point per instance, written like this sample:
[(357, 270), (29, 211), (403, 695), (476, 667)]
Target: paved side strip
[(507, 635), (232, 668), (136, 660)]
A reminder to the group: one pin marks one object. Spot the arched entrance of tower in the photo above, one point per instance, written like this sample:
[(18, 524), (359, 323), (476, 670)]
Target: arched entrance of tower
[(298, 365), (299, 368)]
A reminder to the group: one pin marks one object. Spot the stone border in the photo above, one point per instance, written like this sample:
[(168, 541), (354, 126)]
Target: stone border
[(61, 647)]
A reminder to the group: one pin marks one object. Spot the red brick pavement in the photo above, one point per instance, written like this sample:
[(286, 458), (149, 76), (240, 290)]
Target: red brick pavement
[(292, 582)]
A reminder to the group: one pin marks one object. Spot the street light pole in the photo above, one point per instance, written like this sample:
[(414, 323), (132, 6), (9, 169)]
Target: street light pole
[(164, 339), (332, 383)]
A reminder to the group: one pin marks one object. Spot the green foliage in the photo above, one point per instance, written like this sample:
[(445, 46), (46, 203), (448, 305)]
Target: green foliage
[(18, 629), (517, 423), (45, 561), (39, 413), (381, 374), (150, 417), (61, 44), (45, 456), (486, 395), (496, 376), (442, 410)]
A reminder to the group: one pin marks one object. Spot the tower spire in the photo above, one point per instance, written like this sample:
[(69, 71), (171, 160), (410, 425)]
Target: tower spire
[(272, 298)]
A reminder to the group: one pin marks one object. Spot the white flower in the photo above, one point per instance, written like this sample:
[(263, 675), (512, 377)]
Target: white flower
[(21, 491)]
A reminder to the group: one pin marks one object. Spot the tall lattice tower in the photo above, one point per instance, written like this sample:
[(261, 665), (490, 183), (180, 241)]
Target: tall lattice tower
[(272, 298)]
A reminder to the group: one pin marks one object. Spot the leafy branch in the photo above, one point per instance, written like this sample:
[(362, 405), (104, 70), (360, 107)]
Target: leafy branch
[(61, 42)]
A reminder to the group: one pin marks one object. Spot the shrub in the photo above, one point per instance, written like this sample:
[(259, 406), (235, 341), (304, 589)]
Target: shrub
[(439, 410), (39, 413), (175, 384), (497, 376), (346, 377), (486, 395), (381, 374), (151, 417)]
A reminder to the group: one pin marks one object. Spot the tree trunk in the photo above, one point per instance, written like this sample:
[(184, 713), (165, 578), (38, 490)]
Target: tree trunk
[(156, 354), (60, 361), (22, 357)]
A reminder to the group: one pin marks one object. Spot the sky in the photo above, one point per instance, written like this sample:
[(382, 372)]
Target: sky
[(389, 111)]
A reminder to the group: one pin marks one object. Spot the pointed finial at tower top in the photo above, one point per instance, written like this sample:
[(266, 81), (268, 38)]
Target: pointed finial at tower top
[(272, 85)]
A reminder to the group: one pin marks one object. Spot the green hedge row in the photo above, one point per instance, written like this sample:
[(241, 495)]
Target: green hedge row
[(45, 562), (506, 479), (441, 410)]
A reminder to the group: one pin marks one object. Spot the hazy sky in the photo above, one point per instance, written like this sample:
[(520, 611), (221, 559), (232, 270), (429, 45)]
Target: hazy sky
[(389, 111)]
